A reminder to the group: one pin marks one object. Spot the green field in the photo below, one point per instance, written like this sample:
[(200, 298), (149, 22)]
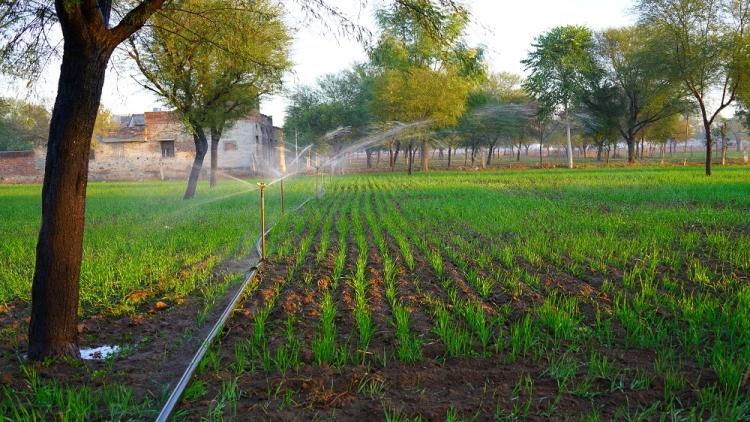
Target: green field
[(140, 237), (446, 296)]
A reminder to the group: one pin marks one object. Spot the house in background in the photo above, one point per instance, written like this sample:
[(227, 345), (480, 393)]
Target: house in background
[(158, 144)]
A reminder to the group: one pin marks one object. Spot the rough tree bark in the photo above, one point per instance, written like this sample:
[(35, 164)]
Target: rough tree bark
[(201, 147), (55, 291), (88, 43)]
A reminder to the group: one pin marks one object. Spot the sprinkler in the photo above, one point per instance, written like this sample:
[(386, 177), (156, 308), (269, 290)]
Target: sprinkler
[(262, 187), (281, 185)]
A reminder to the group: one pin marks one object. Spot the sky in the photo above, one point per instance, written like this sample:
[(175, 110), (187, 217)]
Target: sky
[(506, 29)]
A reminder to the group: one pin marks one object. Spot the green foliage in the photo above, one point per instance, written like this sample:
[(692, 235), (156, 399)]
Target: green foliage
[(425, 72), (211, 62), (560, 62), (337, 101), (498, 111), (23, 125), (702, 45), (628, 93)]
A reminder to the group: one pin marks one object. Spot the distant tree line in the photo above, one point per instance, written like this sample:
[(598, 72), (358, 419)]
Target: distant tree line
[(664, 80)]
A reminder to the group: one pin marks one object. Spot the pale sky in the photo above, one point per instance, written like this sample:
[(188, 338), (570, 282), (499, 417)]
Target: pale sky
[(505, 28)]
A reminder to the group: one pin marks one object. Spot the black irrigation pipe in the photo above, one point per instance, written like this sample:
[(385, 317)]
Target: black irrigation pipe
[(174, 398)]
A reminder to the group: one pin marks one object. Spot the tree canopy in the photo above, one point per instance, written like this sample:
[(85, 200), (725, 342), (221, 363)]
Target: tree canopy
[(213, 80), (703, 45), (560, 63), (23, 125)]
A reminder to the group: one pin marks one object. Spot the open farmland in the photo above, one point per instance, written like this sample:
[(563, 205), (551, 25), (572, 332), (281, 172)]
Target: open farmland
[(447, 296), (599, 294), (155, 271)]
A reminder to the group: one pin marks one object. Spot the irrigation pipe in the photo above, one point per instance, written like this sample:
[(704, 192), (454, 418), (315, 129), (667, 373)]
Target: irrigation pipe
[(174, 397)]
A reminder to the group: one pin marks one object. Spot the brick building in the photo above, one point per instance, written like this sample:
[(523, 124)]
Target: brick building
[(156, 145)]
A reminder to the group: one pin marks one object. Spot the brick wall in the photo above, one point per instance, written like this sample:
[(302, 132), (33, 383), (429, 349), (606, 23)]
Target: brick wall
[(20, 167)]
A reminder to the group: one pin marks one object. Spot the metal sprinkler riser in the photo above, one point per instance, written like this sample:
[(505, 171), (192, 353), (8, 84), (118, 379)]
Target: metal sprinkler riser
[(262, 187)]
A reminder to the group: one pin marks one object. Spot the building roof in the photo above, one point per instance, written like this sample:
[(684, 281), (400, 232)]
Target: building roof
[(125, 134)]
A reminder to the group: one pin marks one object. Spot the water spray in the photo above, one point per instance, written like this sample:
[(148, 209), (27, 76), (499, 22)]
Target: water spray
[(262, 187), (319, 180)]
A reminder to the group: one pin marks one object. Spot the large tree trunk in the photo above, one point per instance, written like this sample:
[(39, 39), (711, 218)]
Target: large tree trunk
[(201, 147), (450, 151), (215, 138), (631, 142), (425, 156), (55, 289), (599, 150)]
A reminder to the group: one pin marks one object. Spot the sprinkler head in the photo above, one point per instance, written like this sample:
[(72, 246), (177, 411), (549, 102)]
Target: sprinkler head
[(262, 185)]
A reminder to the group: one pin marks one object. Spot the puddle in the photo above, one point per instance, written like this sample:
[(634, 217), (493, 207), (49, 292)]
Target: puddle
[(99, 353)]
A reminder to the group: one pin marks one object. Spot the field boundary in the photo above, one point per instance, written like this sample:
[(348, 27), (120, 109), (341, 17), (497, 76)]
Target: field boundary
[(179, 388)]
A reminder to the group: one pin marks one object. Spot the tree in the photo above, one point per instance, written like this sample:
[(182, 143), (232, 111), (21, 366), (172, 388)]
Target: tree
[(423, 76), (663, 131), (212, 82), (601, 114), (89, 39), (704, 45), (104, 124), (542, 125), (559, 65), (23, 125), (420, 95), (88, 42), (498, 111), (338, 101), (645, 96)]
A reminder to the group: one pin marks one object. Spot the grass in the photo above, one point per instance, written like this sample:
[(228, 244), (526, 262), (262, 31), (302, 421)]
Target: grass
[(141, 240), (594, 294)]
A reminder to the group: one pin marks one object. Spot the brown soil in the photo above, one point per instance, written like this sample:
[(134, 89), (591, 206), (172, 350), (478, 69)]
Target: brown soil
[(476, 387)]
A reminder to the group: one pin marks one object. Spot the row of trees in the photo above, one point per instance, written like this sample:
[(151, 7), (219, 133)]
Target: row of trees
[(685, 59), (418, 74)]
